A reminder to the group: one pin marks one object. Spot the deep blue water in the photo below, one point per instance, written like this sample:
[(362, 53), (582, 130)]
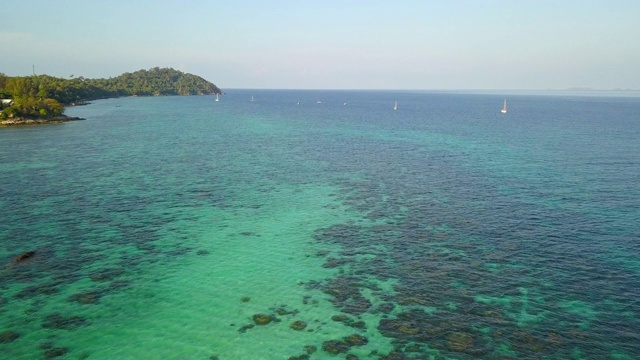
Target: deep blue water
[(443, 229)]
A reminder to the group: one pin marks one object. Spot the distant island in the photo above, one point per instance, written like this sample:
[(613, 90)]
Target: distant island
[(41, 99), (592, 89)]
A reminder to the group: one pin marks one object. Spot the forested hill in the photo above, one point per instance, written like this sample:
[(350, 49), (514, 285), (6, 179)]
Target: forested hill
[(157, 81), (42, 96), (152, 82)]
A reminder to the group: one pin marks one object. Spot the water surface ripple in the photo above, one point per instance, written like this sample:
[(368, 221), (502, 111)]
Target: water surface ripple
[(287, 228)]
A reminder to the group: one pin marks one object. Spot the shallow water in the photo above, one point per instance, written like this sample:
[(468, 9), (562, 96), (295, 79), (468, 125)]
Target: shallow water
[(443, 229)]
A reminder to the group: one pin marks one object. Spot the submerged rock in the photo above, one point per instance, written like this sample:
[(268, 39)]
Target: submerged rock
[(244, 328), (335, 346), (386, 308), (298, 325), (356, 340), (262, 319), (8, 336), (346, 294), (526, 342), (340, 318), (459, 342), (408, 329), (24, 256), (282, 311), (55, 352), (343, 345), (300, 357), (358, 324)]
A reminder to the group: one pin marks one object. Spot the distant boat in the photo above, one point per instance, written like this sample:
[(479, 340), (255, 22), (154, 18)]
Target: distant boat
[(251, 98), (504, 108), (318, 102), (217, 97), (395, 105)]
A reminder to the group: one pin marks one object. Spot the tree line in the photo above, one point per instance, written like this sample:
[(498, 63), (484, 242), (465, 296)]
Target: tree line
[(44, 96)]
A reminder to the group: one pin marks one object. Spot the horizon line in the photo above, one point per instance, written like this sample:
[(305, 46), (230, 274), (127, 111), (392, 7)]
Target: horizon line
[(433, 89)]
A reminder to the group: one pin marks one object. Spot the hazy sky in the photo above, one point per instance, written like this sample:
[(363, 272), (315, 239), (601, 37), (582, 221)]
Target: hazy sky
[(346, 44)]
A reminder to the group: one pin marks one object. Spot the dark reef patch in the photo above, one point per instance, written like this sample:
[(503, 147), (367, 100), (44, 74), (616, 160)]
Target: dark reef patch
[(24, 256), (107, 274), (8, 336), (87, 297), (263, 319), (343, 345), (40, 289), (58, 321), (55, 352), (298, 325)]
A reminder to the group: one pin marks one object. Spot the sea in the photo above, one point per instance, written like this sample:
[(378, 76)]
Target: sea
[(321, 224)]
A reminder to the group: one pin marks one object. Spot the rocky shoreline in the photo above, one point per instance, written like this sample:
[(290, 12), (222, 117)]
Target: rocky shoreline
[(24, 121)]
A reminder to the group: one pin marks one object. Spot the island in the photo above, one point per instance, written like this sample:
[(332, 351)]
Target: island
[(41, 99)]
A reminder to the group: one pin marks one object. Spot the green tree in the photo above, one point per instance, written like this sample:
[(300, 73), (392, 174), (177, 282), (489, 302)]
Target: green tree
[(3, 81), (21, 86)]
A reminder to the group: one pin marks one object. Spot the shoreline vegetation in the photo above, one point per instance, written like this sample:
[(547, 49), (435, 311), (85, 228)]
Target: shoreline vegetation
[(41, 99)]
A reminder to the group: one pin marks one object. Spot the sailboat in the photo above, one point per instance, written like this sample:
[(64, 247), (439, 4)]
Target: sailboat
[(251, 98), (217, 97), (395, 105), (504, 108)]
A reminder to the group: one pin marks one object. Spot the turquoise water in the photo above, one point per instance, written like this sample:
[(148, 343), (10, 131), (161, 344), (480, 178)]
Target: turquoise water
[(171, 227)]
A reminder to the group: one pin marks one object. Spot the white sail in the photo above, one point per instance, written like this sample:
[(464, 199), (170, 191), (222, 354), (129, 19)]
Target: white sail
[(395, 105), (504, 108)]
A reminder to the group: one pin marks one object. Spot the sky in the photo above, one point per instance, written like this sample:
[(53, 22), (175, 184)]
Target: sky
[(332, 44)]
